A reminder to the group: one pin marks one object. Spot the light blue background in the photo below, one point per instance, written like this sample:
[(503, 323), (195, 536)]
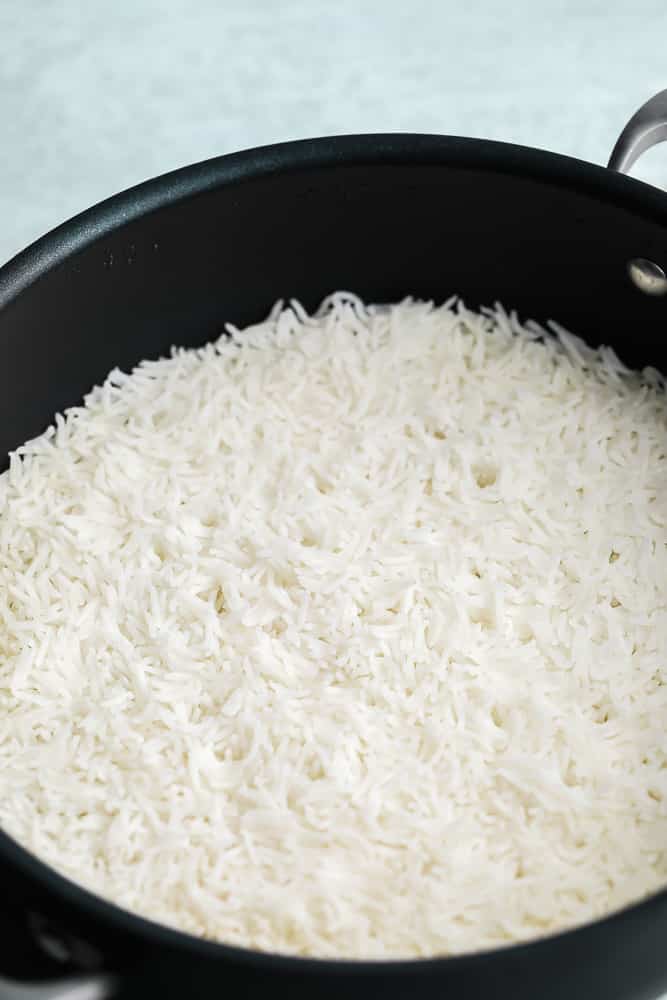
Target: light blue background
[(97, 96)]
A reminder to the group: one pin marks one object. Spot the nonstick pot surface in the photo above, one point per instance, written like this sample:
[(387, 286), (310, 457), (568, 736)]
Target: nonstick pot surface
[(383, 216)]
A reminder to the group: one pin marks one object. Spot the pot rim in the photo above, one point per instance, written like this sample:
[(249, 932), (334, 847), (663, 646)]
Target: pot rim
[(86, 903), (379, 149)]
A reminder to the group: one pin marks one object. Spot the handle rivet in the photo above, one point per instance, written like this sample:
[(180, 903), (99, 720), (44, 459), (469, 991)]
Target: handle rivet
[(647, 276)]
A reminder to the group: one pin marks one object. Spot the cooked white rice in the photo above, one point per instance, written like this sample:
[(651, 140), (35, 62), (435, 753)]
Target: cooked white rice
[(345, 636)]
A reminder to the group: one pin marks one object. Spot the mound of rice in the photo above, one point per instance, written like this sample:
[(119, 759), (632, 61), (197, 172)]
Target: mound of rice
[(345, 635)]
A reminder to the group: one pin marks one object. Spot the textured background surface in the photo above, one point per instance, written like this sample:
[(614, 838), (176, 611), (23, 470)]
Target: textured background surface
[(95, 97)]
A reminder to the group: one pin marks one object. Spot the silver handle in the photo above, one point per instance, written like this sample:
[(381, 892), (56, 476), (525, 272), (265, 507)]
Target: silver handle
[(646, 128), (45, 956), (76, 988)]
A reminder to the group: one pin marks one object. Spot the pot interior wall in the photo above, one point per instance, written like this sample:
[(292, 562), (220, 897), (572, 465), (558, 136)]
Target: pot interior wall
[(383, 230)]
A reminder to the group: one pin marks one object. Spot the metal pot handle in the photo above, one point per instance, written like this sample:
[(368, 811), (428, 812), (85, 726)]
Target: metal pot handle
[(38, 964), (646, 128), (74, 988)]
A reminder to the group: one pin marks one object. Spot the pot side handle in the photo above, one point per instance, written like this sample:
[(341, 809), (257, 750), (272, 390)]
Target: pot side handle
[(36, 966), (646, 128), (74, 988)]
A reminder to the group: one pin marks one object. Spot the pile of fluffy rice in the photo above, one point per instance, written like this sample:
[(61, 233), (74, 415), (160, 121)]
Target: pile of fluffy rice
[(346, 635)]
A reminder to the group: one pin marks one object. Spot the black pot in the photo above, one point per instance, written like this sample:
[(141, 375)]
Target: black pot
[(383, 216)]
